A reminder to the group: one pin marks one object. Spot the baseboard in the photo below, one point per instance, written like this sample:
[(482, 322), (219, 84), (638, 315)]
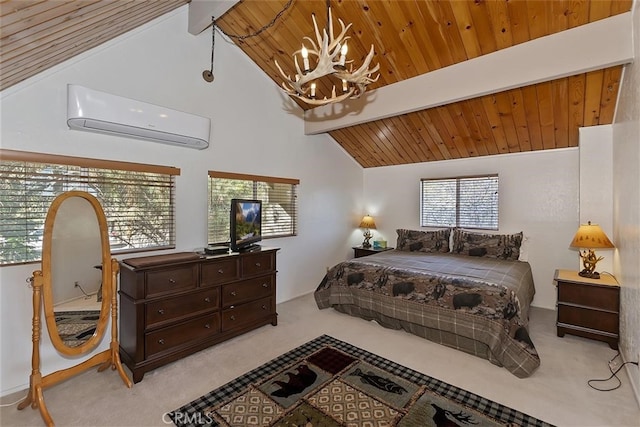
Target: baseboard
[(633, 373)]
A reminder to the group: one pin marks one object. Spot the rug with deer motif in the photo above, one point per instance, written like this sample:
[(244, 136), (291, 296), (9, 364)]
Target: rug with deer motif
[(327, 382)]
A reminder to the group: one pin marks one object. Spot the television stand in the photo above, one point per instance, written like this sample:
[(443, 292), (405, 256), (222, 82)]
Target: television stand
[(250, 248)]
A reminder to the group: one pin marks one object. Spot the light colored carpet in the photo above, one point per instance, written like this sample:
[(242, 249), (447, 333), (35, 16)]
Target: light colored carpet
[(557, 392)]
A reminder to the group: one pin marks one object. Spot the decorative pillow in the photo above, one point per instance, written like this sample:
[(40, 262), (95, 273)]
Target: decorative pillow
[(503, 246), (423, 241)]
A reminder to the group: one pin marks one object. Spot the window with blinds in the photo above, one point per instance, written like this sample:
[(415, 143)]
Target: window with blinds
[(279, 203), (469, 202), (137, 199)]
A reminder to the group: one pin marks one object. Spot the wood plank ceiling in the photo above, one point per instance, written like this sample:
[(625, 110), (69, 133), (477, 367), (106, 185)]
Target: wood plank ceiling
[(411, 37)]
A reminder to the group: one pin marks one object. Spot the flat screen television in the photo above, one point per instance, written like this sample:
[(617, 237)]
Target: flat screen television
[(245, 224)]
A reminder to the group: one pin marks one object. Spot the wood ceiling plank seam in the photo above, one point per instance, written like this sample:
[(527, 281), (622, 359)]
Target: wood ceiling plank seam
[(610, 88), (599, 10), (545, 111), (374, 145), (346, 143), (398, 135), (414, 138), (60, 15), (462, 128), (578, 13), (505, 111), (365, 154), (54, 57), (440, 118), (409, 45), (427, 120), (489, 103), (467, 29), (519, 23), (421, 128), (452, 37), (530, 99), (520, 118), (499, 14), (379, 130), (593, 95), (561, 103), (476, 117), (9, 14), (79, 28), (537, 18), (8, 7), (436, 32), (484, 27), (423, 44), (620, 6), (559, 21), (91, 37), (576, 107)]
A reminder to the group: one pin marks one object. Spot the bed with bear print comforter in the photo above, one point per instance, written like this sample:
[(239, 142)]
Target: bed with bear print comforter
[(479, 305)]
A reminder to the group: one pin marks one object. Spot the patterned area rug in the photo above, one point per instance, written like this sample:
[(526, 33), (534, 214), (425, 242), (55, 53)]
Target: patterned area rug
[(327, 382), (76, 327)]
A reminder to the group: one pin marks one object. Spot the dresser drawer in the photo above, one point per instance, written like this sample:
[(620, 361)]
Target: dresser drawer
[(168, 309), (221, 271), (602, 297), (169, 280), (592, 319), (194, 330), (248, 290), (257, 263), (240, 315)]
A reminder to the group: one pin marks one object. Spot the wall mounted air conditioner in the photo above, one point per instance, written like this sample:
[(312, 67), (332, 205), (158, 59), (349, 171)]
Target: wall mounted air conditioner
[(94, 111)]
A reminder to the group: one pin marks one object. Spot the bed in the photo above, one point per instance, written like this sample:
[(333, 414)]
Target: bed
[(465, 290)]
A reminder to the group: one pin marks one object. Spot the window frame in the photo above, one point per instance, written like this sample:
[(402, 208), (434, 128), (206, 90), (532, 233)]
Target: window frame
[(492, 205), (91, 165), (255, 180)]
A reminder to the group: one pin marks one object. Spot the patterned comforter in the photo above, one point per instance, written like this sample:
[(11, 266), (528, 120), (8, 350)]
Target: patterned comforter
[(475, 304)]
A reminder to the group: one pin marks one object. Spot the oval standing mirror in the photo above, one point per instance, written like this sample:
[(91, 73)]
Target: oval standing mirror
[(77, 288), (76, 306)]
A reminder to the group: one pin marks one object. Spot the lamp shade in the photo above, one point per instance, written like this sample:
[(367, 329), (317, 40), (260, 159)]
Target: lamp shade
[(367, 222), (591, 236)]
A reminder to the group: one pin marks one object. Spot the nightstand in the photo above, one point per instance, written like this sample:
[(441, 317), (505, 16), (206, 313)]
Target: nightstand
[(359, 251), (588, 308)]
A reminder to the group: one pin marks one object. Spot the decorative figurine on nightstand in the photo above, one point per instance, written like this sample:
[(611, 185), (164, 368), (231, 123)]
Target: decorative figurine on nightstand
[(590, 236), (367, 223)]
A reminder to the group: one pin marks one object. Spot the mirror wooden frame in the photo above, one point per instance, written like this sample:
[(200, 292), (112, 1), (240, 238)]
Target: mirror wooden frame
[(42, 297)]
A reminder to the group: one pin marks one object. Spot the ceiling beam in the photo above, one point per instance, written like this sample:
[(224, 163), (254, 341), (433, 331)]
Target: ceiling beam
[(589, 47), (201, 11)]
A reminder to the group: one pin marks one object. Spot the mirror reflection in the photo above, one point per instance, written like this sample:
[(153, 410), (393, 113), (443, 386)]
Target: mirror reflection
[(76, 271)]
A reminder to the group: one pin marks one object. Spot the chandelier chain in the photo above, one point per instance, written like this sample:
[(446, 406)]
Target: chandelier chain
[(261, 29)]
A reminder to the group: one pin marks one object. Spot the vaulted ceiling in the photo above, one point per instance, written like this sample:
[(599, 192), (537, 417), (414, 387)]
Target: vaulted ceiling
[(411, 38)]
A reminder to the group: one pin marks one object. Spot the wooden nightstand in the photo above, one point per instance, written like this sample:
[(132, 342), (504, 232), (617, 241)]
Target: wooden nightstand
[(359, 251), (588, 307)]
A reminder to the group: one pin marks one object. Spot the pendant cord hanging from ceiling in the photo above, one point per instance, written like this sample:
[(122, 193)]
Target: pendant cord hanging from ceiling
[(208, 74)]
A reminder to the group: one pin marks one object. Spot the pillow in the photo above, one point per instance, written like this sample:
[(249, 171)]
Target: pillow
[(502, 246), (423, 241)]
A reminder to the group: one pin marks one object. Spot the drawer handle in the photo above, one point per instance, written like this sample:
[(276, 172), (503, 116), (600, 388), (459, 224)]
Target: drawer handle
[(264, 285), (207, 326), (257, 264), (172, 281), (233, 293), (161, 311), (232, 317), (220, 271), (161, 341), (207, 299), (264, 307)]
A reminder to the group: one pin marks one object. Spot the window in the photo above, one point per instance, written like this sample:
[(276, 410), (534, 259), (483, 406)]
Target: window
[(137, 199), (470, 202), (279, 203)]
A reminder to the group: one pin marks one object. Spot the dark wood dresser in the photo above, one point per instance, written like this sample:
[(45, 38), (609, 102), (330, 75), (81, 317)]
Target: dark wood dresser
[(588, 307), (174, 305)]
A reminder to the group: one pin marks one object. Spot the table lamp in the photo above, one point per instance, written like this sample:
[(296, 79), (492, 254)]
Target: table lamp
[(590, 236), (367, 223)]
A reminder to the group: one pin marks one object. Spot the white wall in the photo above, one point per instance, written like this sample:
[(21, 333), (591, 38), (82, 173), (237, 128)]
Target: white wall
[(626, 206), (538, 196), (252, 132)]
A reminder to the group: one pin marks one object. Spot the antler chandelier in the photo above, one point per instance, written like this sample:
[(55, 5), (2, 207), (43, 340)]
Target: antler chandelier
[(327, 57)]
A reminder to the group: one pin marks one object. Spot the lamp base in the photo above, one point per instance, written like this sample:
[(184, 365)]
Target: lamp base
[(589, 274)]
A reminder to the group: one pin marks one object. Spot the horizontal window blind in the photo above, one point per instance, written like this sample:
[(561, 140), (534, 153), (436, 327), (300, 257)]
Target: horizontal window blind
[(469, 202), (137, 199), (279, 203)]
